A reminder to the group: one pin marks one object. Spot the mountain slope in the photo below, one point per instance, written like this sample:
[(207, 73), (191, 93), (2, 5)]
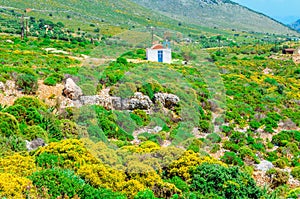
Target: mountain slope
[(216, 13), (185, 16), (105, 14), (296, 25)]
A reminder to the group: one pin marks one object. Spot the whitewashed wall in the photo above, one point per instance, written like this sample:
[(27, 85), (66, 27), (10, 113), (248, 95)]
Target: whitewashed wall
[(152, 55)]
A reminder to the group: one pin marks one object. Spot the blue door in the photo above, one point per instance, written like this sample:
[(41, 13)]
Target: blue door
[(160, 56)]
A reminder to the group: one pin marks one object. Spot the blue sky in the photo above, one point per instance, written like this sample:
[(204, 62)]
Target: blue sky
[(286, 11)]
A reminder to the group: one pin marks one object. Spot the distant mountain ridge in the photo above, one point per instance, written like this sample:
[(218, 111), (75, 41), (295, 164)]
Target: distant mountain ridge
[(185, 16), (296, 25), (216, 13)]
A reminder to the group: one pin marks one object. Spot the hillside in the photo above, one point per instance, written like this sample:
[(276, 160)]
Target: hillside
[(84, 114), (112, 17), (103, 128), (296, 25), (216, 13)]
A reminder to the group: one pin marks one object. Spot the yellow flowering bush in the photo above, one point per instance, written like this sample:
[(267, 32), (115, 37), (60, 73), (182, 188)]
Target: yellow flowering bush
[(132, 187), (18, 164), (144, 147), (72, 151), (12, 186), (101, 151), (143, 173), (188, 161), (98, 175)]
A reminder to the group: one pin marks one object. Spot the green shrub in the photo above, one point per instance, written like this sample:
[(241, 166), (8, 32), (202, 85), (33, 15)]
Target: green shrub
[(29, 116), (215, 148), (146, 194), (258, 145), (70, 129), (194, 144), (277, 177), (271, 81), (18, 111), (280, 163), (246, 152), (291, 148), (137, 119), (30, 102), (142, 115), (65, 183), (271, 122), (296, 172), (51, 124), (179, 183), (28, 83), (226, 129), (232, 158), (53, 79), (281, 139), (272, 156), (231, 146), (47, 160), (269, 129), (238, 137), (214, 138), (124, 90), (204, 126), (151, 137), (11, 144), (294, 193), (9, 126), (122, 60), (270, 145), (88, 89), (33, 132), (254, 125), (107, 121), (50, 81), (150, 88), (224, 182)]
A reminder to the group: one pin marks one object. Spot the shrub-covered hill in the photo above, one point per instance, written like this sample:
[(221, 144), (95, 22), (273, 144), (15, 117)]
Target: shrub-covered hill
[(112, 17), (216, 13), (238, 109), (95, 17)]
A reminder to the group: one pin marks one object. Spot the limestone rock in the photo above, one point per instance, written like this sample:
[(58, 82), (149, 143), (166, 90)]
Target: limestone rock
[(157, 129), (71, 90), (166, 99), (264, 165), (138, 101), (76, 99), (9, 41), (34, 144)]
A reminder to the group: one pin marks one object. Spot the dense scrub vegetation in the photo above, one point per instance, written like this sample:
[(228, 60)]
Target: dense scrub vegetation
[(90, 151)]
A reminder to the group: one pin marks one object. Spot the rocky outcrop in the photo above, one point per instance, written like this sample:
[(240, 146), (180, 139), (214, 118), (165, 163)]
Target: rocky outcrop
[(166, 99), (71, 90), (138, 101), (264, 165), (75, 98), (34, 144)]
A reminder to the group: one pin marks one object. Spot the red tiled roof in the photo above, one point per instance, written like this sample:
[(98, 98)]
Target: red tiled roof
[(157, 46), (289, 49)]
